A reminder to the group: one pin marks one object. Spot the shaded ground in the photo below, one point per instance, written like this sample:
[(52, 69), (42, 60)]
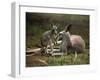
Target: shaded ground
[(40, 60)]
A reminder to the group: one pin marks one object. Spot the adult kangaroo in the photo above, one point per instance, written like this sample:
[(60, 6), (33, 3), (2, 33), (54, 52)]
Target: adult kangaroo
[(71, 43)]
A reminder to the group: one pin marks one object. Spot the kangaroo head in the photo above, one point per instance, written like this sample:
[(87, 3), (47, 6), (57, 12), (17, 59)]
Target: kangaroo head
[(54, 29), (65, 33)]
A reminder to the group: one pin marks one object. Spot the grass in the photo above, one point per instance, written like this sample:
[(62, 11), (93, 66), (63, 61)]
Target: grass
[(82, 58), (68, 60)]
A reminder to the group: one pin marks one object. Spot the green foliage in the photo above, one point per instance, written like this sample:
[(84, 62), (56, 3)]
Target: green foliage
[(38, 23)]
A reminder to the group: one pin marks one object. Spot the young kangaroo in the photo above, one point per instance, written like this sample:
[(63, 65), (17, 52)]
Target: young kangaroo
[(48, 39)]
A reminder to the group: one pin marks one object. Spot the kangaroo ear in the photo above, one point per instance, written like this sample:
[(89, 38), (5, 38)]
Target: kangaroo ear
[(68, 27)]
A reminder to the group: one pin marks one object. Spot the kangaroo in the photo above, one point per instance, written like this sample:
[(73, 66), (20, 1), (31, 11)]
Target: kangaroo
[(49, 38), (71, 43)]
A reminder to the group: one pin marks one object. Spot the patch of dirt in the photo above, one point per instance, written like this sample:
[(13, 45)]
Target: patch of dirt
[(35, 61)]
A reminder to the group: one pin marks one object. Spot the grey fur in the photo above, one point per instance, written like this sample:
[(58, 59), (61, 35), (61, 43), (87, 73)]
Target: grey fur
[(71, 43), (48, 38)]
